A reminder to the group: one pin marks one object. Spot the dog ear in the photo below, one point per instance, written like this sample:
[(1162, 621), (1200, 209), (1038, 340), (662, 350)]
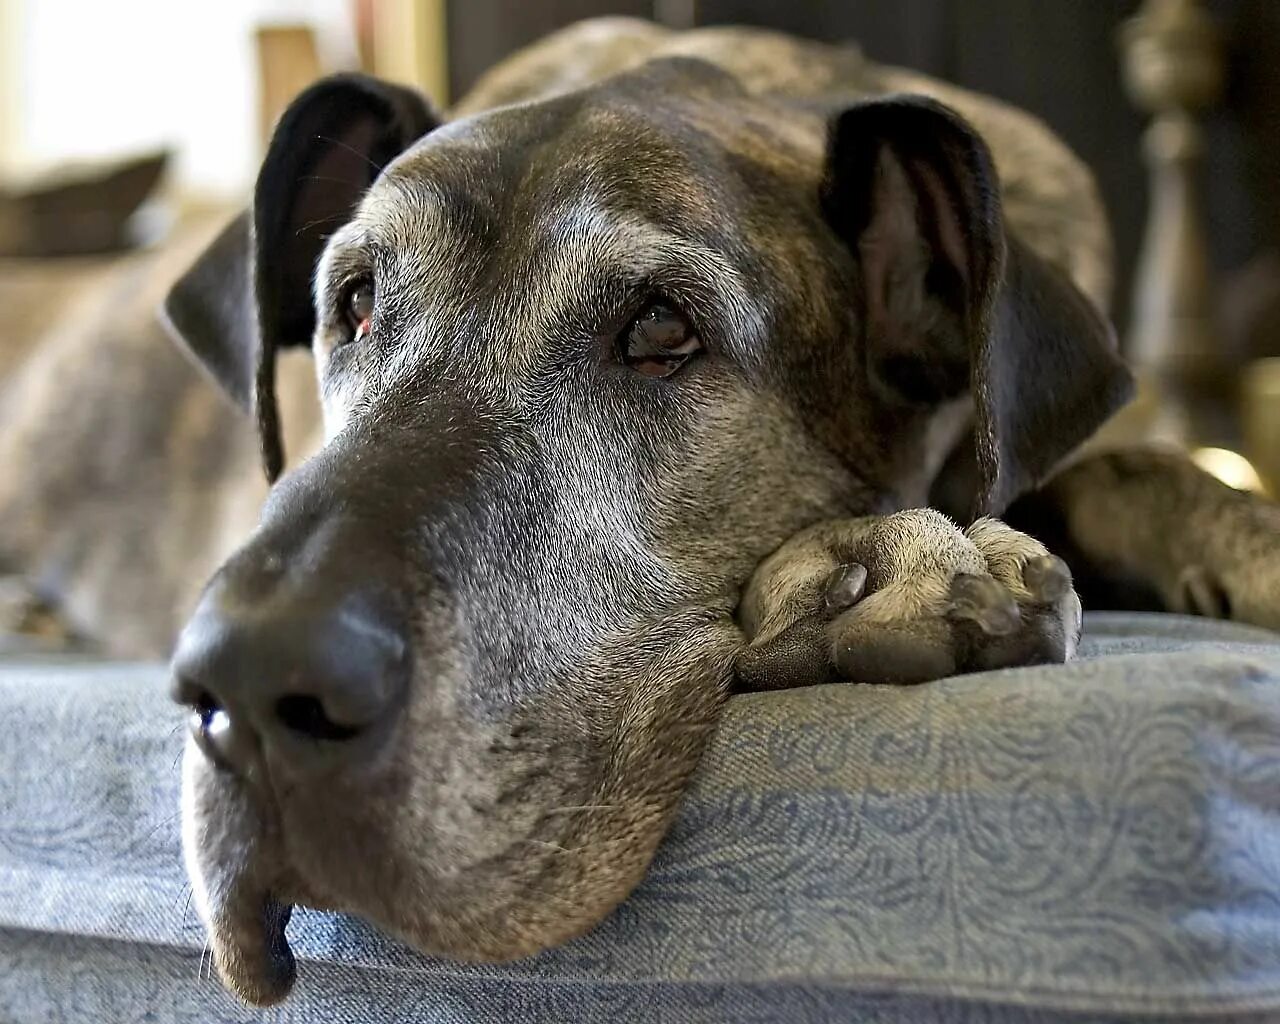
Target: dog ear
[(951, 302), (250, 293)]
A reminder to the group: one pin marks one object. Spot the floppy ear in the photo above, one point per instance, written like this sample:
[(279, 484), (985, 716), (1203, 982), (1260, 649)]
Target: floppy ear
[(952, 303), (250, 294)]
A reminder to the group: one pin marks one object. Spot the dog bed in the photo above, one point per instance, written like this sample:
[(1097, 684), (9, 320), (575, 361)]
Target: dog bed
[(1097, 841)]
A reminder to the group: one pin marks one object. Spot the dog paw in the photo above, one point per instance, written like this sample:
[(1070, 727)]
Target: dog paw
[(1235, 573), (25, 614), (904, 598)]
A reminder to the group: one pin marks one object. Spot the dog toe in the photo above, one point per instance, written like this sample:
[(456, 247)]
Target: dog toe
[(984, 602), (1047, 579)]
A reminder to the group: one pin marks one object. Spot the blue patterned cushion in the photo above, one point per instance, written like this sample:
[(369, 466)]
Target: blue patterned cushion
[(1084, 842)]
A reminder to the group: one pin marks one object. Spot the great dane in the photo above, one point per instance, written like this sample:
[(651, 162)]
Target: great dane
[(650, 371)]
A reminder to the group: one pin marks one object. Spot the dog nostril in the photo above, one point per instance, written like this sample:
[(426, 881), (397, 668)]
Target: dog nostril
[(307, 717), (205, 705), (211, 726)]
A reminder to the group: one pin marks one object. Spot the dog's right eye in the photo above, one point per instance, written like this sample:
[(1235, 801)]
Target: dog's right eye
[(659, 341), (358, 309)]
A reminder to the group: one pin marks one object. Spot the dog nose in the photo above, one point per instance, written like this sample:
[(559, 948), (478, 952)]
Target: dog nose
[(268, 667)]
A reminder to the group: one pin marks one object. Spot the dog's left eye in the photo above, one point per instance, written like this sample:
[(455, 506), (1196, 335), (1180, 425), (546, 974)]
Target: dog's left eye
[(358, 309), (659, 341)]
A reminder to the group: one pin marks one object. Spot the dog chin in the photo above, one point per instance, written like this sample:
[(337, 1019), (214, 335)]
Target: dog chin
[(246, 876), (244, 891), (255, 962), (246, 920)]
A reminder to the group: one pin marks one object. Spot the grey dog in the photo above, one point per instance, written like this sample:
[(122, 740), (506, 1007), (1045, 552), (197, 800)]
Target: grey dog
[(654, 367)]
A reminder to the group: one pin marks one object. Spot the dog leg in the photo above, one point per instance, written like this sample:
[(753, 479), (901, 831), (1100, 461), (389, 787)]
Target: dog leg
[(27, 619), (1149, 529), (904, 598)]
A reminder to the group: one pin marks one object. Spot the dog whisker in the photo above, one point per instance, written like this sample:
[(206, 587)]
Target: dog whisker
[(186, 907), (351, 149), (583, 807), (315, 224), (550, 846), (205, 950), (154, 829), (322, 177)]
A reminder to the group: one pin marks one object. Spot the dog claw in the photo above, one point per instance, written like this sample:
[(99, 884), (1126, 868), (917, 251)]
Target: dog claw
[(1047, 578), (980, 599), (845, 587)]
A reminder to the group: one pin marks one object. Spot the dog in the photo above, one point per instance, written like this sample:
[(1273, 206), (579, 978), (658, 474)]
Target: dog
[(668, 363)]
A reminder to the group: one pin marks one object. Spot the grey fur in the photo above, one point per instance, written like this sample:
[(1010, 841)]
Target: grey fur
[(572, 542)]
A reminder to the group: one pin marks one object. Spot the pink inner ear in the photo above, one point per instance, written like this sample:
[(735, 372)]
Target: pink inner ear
[(941, 208), (911, 213), (891, 247)]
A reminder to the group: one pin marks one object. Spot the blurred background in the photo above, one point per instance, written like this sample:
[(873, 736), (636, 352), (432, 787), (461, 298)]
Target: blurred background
[(116, 119)]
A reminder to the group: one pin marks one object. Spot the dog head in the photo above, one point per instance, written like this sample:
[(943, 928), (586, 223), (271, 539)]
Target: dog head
[(583, 363)]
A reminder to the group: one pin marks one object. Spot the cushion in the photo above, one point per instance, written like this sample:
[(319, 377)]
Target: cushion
[(1091, 841)]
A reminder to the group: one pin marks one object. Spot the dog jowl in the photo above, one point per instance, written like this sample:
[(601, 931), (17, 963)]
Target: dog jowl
[(584, 362)]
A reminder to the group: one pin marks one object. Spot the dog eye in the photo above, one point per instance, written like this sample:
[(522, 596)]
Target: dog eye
[(358, 309), (659, 341)]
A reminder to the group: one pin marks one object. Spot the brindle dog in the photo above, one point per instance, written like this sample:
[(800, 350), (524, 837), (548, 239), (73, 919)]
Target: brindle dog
[(648, 309)]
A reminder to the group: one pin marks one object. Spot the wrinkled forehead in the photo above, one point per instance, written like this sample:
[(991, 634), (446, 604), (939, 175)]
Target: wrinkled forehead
[(529, 176), (560, 197), (518, 163)]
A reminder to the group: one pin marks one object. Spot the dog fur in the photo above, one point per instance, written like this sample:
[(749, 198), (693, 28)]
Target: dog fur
[(581, 556)]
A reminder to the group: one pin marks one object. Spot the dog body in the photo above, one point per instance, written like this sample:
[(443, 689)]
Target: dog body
[(127, 477), (121, 533), (1049, 196), (652, 308)]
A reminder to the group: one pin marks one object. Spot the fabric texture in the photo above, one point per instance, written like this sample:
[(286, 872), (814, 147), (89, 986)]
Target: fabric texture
[(1097, 841)]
